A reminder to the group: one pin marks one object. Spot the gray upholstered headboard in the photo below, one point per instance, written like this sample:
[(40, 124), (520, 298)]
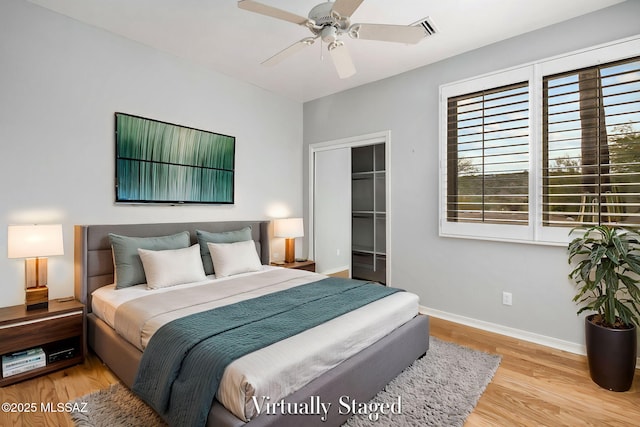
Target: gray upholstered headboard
[(93, 261)]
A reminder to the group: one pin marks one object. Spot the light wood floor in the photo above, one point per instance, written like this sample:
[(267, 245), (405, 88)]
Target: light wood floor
[(534, 386), (541, 386)]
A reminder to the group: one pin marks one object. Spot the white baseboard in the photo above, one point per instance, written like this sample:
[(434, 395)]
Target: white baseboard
[(511, 332), (334, 270)]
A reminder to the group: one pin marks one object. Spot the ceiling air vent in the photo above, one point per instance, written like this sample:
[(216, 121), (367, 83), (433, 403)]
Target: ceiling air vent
[(428, 26)]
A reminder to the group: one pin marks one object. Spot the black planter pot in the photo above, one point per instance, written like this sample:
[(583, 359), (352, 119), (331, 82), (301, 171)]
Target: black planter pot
[(612, 355)]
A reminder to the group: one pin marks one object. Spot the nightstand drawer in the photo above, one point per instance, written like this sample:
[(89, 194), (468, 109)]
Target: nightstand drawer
[(36, 332)]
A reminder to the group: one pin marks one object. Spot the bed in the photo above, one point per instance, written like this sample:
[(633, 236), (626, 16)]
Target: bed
[(360, 376)]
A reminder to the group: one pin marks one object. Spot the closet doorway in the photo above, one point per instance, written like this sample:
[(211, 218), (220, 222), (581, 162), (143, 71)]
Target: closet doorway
[(349, 206)]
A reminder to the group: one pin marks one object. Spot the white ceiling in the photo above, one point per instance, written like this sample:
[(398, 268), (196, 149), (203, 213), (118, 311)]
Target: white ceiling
[(222, 37)]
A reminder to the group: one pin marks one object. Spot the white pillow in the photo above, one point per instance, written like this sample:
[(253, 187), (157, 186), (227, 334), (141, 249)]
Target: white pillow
[(172, 267), (234, 258)]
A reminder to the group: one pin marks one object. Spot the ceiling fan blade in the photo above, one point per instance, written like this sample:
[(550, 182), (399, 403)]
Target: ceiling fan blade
[(341, 59), (387, 33), (345, 8), (274, 12), (287, 52)]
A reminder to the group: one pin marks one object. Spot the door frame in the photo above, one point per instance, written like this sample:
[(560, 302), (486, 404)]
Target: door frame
[(350, 142)]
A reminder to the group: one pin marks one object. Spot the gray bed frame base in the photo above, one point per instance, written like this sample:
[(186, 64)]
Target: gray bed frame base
[(359, 377)]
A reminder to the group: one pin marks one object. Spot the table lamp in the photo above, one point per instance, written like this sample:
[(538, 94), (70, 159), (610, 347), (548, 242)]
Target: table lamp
[(35, 243), (289, 228)]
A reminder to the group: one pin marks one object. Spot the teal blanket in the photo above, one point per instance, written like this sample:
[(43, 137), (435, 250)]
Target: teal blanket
[(183, 363)]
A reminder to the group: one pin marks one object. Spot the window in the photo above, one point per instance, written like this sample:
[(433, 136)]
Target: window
[(488, 156), (531, 152), (591, 137)]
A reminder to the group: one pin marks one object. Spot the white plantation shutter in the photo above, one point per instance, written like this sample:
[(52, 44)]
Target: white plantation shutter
[(488, 156), (591, 146), (530, 152)]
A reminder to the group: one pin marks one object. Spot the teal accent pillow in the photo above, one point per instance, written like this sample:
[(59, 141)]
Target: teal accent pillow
[(205, 237), (126, 260)]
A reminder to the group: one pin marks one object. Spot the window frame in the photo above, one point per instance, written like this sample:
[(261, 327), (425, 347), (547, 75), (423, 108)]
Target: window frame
[(534, 72)]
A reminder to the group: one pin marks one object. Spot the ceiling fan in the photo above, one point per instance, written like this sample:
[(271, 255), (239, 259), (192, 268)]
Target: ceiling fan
[(329, 21)]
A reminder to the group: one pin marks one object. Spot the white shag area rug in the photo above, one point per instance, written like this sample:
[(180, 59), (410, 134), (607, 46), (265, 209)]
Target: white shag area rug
[(440, 389)]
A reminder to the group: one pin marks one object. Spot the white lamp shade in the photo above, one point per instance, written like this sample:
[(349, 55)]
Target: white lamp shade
[(288, 227), (28, 241)]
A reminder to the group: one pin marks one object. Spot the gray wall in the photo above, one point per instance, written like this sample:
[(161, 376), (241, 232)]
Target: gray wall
[(464, 277), (61, 82)]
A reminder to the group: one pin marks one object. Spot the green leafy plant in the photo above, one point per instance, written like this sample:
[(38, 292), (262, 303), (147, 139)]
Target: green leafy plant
[(607, 274)]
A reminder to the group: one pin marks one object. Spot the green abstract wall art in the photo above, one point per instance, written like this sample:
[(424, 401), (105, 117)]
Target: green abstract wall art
[(158, 162)]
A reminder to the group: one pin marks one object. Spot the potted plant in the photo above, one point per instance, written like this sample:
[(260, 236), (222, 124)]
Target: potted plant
[(607, 272)]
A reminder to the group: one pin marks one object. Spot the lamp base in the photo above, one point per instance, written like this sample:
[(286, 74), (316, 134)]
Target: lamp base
[(37, 298), (35, 272), (289, 250)]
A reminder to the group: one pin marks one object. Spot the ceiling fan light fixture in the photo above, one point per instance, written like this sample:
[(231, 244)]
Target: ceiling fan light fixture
[(329, 34)]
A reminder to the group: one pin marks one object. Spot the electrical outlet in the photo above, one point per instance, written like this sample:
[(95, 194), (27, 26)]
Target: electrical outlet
[(507, 298), (337, 252)]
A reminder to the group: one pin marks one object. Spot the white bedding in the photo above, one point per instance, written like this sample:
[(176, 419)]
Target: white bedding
[(282, 368)]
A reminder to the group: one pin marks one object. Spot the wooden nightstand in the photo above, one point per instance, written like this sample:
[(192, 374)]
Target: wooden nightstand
[(58, 330), (299, 265)]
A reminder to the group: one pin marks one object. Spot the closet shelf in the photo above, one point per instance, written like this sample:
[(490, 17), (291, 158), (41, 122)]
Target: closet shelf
[(368, 213)]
